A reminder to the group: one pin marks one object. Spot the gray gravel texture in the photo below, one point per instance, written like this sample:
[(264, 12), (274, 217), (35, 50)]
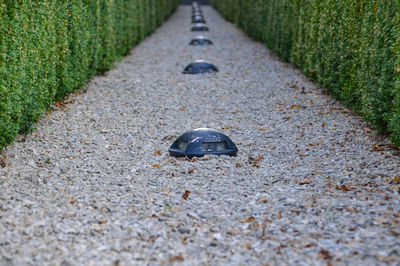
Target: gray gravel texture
[(312, 184)]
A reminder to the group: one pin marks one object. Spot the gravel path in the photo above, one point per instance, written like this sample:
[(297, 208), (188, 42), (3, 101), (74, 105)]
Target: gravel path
[(94, 184)]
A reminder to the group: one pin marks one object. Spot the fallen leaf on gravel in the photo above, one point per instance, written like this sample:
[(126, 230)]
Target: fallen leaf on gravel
[(73, 201), (155, 165), (297, 106), (394, 232), (238, 165), (262, 200), (154, 216), (166, 191), (102, 221), (323, 125), (324, 254), (186, 194), (396, 180), (378, 147), (248, 220), (255, 161), (349, 209), (183, 108), (176, 259), (184, 240), (344, 188), (304, 181), (168, 137), (2, 162), (157, 152), (232, 232), (60, 105), (263, 128), (227, 127)]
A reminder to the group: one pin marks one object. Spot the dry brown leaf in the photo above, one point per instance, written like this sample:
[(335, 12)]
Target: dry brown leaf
[(186, 194), (262, 200), (232, 232), (73, 201), (263, 128), (155, 165), (394, 232), (323, 125), (296, 106), (168, 137), (176, 259), (227, 127), (396, 180), (256, 160), (60, 105), (166, 191), (304, 181), (102, 221), (157, 153), (324, 254), (378, 147), (183, 108), (238, 164), (344, 188), (2, 162), (185, 240), (248, 220)]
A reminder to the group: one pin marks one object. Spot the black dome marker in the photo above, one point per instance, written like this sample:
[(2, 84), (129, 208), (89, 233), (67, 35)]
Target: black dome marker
[(196, 10), (199, 27), (202, 141), (198, 19), (200, 67), (197, 14), (200, 40)]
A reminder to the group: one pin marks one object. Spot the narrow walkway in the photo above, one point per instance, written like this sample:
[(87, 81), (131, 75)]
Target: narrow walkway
[(94, 184)]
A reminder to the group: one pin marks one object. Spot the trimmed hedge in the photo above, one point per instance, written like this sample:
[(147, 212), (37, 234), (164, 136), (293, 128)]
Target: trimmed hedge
[(350, 47), (49, 49)]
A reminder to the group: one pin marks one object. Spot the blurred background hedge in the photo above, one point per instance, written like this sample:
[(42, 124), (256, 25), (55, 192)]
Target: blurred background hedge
[(351, 47), (49, 49)]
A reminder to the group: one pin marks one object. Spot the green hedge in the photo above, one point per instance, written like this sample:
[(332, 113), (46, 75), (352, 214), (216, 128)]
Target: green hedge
[(49, 49), (351, 47)]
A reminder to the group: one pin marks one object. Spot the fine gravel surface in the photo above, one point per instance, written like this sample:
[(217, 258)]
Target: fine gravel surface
[(94, 184)]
